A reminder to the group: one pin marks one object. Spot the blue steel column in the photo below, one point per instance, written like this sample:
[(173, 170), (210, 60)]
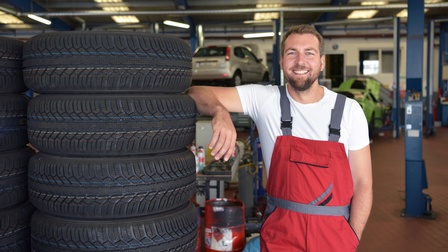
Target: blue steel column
[(397, 100), (443, 60), (430, 130), (416, 201), (276, 54)]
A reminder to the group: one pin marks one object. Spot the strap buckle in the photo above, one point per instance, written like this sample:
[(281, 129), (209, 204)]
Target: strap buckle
[(334, 131), (286, 124)]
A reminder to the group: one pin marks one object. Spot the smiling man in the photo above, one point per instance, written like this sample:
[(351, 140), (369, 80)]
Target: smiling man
[(315, 146)]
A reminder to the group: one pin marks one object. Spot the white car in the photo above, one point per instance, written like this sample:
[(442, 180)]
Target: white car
[(227, 65)]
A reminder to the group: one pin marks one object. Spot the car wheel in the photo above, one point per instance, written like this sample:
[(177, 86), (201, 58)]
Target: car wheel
[(265, 77), (236, 80), (372, 126)]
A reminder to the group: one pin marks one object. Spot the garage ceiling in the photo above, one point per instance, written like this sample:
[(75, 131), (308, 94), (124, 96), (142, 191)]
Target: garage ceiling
[(218, 18)]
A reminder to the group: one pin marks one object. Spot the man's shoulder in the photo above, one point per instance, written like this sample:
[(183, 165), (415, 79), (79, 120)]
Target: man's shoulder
[(258, 90), (258, 87)]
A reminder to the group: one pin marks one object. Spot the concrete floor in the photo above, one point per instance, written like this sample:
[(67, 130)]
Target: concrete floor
[(386, 229)]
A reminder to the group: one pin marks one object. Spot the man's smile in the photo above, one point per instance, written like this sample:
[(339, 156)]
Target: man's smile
[(300, 71)]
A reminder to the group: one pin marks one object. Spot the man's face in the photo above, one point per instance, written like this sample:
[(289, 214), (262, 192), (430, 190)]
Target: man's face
[(301, 61)]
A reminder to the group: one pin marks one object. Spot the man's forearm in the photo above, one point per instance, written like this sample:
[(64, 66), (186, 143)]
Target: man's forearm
[(223, 139), (206, 101), (360, 209)]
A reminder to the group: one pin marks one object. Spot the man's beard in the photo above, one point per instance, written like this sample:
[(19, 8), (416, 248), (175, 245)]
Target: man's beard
[(300, 85)]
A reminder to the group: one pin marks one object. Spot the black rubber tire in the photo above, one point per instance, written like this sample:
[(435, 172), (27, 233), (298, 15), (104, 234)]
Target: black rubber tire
[(11, 79), (15, 228), (13, 110), (13, 176), (236, 79), (265, 78), (106, 62), (174, 230), (111, 125), (101, 188), (372, 128)]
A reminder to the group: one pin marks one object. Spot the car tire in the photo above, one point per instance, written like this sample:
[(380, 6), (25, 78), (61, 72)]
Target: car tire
[(15, 228), (111, 125), (13, 132), (174, 230), (236, 79), (372, 126), (106, 62), (13, 176), (117, 187), (11, 79), (265, 77)]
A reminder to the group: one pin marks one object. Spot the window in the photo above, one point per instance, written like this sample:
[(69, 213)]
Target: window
[(387, 61), (373, 62)]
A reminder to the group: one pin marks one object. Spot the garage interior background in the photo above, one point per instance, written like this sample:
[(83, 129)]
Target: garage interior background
[(354, 31), (349, 42)]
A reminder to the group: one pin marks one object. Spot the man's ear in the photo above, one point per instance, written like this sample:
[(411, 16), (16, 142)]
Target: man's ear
[(322, 62)]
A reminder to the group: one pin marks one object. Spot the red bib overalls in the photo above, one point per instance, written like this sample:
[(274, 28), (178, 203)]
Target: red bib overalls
[(309, 193)]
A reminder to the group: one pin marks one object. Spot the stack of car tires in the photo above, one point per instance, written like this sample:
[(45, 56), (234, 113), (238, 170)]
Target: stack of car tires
[(111, 123), (15, 209)]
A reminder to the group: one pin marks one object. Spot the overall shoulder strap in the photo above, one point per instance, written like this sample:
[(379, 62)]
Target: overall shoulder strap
[(336, 118), (285, 108)]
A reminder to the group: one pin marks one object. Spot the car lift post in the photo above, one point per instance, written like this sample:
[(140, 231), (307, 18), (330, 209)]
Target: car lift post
[(418, 204)]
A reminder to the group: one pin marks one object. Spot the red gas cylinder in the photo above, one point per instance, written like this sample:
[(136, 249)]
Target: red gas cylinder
[(224, 225)]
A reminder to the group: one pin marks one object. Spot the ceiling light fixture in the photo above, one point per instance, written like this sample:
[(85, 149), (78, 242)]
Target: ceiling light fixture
[(374, 3), (125, 19), (176, 24), (9, 19), (258, 35), (266, 21), (39, 19), (357, 14), (266, 15), (108, 1), (115, 8)]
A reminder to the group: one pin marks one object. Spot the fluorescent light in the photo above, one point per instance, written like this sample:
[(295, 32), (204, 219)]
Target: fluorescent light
[(9, 19), (258, 21), (39, 19), (362, 14), (125, 19), (374, 3), (108, 1), (116, 8), (259, 35), (266, 15), (176, 24)]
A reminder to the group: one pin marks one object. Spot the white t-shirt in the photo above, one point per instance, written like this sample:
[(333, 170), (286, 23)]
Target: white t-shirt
[(310, 121)]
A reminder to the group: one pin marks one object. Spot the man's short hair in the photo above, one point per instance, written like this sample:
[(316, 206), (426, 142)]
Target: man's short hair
[(303, 29)]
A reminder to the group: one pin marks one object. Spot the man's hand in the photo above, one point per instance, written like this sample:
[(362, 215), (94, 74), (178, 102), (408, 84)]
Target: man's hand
[(217, 102), (223, 139)]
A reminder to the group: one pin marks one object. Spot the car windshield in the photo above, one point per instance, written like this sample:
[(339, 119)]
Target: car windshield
[(210, 52)]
